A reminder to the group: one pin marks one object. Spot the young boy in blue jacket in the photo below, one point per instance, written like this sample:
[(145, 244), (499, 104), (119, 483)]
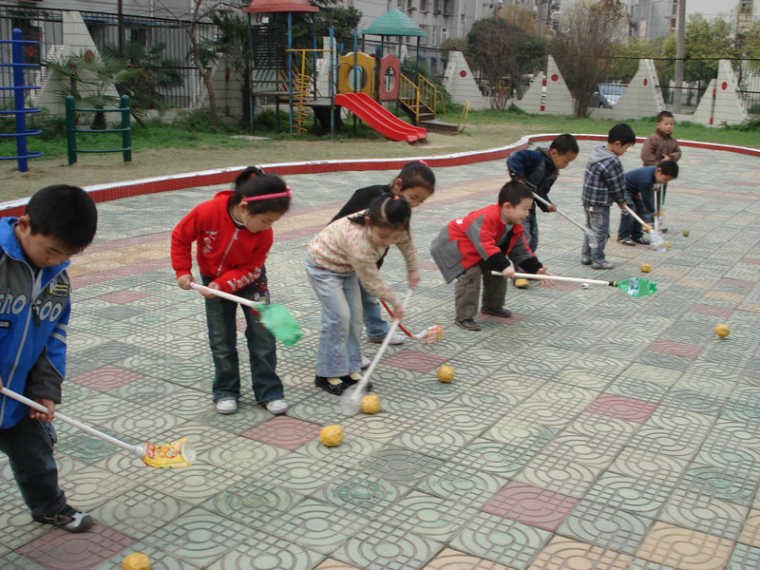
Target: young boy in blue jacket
[(639, 196), (34, 312), (538, 169)]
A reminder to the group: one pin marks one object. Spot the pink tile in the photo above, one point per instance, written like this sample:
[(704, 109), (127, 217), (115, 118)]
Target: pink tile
[(751, 260), (675, 348), (531, 505), (415, 361), (106, 378), (737, 283), (623, 408), (62, 550), (122, 297), (282, 431), (491, 319), (711, 310)]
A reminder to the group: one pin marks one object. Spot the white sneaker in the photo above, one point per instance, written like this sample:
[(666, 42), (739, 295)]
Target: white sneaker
[(396, 338), (277, 407), (365, 362), (226, 406)]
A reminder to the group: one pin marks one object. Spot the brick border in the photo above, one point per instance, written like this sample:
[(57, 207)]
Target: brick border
[(117, 190)]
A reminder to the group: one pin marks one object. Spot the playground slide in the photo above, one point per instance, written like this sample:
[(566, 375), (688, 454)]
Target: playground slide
[(377, 117)]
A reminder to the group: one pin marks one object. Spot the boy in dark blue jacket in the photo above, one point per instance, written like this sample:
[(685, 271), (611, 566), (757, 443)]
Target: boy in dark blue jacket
[(639, 196), (538, 169), (34, 312)]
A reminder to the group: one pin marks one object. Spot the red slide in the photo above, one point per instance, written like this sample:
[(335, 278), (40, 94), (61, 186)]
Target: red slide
[(377, 117)]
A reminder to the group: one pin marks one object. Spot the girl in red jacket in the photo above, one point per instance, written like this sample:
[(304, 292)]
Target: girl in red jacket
[(234, 234)]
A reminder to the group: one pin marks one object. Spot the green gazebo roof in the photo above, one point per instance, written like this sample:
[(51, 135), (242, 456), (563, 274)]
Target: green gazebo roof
[(394, 23)]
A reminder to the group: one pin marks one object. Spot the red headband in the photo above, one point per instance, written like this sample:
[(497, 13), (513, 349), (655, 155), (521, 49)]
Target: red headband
[(285, 194)]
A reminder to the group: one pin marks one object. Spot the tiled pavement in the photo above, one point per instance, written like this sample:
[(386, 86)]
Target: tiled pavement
[(590, 430)]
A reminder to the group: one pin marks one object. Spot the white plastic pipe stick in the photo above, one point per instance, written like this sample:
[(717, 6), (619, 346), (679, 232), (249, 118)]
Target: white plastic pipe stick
[(223, 295), (560, 212), (540, 277), (138, 450), (636, 217)]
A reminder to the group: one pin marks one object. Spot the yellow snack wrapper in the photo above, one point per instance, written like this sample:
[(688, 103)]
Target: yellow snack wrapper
[(174, 454)]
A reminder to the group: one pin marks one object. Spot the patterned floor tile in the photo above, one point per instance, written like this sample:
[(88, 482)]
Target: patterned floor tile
[(331, 564), (241, 456), (564, 552), (637, 496), (61, 550), (365, 493), (530, 505), (594, 452), (561, 474), (522, 433), (14, 561), (751, 530), (284, 432), (703, 513), (662, 470), (503, 460), (744, 556), (602, 525), (399, 465), (458, 482), (501, 540), (267, 551), (719, 483), (627, 409), (415, 361), (449, 559), (381, 546), (682, 548)]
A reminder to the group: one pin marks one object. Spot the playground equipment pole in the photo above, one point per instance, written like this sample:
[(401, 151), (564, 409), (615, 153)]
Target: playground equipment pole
[(18, 100), (330, 82), (249, 71), (126, 133), (355, 70), (290, 71), (71, 135)]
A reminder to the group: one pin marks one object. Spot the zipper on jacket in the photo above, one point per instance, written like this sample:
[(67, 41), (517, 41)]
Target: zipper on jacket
[(226, 251)]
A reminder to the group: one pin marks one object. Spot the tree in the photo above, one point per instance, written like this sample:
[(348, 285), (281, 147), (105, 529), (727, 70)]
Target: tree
[(200, 64), (751, 41), (584, 46), (519, 16), (501, 51)]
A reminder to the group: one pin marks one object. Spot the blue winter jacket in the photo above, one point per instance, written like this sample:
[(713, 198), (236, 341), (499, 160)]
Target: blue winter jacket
[(34, 314)]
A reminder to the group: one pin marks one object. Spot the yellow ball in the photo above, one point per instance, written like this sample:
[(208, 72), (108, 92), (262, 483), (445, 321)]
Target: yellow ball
[(330, 436), (667, 245), (721, 330), (522, 283), (136, 561), (370, 404), (685, 233), (445, 373), (646, 268)]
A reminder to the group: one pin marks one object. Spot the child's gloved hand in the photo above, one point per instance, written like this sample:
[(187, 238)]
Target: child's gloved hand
[(184, 281)]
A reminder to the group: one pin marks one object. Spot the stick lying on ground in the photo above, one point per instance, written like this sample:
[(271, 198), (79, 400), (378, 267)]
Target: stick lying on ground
[(175, 454), (274, 317), (634, 287), (352, 397), (430, 335)]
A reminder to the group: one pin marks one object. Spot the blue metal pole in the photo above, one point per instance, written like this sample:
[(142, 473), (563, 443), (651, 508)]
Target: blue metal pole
[(18, 100), (331, 86), (290, 71)]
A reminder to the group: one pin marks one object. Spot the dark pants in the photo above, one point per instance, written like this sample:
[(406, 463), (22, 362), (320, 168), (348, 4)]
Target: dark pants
[(530, 226), (29, 446), (467, 291), (221, 318), (629, 227)]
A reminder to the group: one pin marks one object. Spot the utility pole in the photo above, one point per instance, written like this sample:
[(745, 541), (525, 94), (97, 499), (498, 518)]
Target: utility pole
[(680, 53)]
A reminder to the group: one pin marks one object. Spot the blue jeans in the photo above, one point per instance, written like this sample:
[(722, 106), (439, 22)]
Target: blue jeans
[(598, 221), (629, 227), (530, 226), (29, 446), (221, 318), (339, 353), (374, 324)]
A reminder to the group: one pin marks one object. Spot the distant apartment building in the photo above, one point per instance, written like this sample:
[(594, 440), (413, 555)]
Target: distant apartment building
[(657, 18)]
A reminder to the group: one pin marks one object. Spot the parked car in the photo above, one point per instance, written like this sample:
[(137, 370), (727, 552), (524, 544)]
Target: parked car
[(607, 95)]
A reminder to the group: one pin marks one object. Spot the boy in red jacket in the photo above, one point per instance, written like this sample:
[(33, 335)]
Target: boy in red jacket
[(234, 234), (485, 240)]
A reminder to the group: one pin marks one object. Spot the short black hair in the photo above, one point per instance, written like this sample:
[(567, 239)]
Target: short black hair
[(261, 186), (514, 192), (388, 211), (564, 144), (669, 168), (247, 174), (622, 133), (66, 213), (662, 115), (417, 173)]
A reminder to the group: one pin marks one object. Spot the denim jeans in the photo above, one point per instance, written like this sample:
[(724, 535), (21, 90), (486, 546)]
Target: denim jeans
[(374, 324), (598, 221), (339, 353), (29, 447), (221, 318), (629, 227), (530, 226)]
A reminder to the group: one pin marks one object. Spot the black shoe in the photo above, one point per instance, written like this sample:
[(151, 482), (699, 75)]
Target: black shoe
[(643, 240), (627, 241), (332, 385), (348, 381), (585, 261), (68, 519), (468, 324), (500, 312)]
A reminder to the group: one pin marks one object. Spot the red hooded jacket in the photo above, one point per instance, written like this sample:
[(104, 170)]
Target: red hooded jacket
[(231, 255)]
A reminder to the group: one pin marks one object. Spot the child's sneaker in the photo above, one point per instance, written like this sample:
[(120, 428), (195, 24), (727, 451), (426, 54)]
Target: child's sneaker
[(603, 264), (468, 324), (498, 312), (353, 379), (226, 406), (396, 338), (365, 362), (585, 261), (276, 407), (332, 385), (68, 519)]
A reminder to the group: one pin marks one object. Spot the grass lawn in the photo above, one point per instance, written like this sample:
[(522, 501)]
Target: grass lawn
[(163, 149)]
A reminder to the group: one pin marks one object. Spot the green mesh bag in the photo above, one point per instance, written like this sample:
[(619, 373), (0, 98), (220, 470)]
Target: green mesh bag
[(278, 320)]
